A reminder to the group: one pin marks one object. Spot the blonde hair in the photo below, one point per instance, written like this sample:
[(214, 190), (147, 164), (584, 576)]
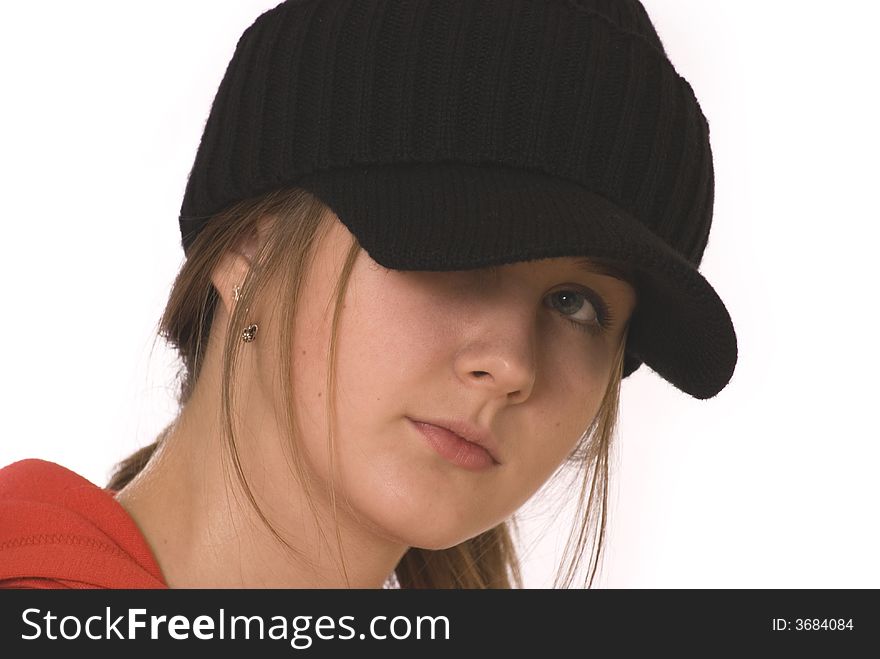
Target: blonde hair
[(488, 560)]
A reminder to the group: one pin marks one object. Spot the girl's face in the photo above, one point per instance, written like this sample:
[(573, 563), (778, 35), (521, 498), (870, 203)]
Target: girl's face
[(517, 353)]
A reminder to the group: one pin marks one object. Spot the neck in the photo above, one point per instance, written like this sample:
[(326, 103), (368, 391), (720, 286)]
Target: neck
[(205, 532)]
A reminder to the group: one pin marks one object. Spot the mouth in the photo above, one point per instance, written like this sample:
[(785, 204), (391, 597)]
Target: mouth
[(455, 448)]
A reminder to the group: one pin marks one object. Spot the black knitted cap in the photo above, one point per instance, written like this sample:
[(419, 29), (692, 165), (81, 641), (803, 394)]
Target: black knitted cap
[(459, 134)]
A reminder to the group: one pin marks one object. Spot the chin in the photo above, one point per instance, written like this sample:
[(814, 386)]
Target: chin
[(436, 541), (430, 527), (409, 500)]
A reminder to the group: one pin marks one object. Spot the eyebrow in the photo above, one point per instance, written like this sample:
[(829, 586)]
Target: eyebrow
[(593, 266), (607, 268)]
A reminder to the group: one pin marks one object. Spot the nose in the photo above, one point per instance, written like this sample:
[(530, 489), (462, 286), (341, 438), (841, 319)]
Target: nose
[(502, 359)]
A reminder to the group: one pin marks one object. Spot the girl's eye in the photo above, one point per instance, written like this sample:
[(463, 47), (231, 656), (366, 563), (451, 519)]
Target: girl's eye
[(585, 310)]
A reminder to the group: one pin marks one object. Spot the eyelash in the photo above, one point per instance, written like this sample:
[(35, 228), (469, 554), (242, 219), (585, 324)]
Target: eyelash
[(604, 318)]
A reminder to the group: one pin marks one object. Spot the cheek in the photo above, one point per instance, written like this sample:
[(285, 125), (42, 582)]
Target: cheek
[(566, 402), (574, 376), (390, 337), (579, 360), (388, 346)]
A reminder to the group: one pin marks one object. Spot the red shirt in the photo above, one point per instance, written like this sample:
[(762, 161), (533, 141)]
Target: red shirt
[(58, 530)]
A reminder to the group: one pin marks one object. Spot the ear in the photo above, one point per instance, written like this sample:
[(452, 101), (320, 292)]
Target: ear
[(234, 265)]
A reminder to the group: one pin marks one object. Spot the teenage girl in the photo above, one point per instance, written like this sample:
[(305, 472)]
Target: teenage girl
[(425, 241)]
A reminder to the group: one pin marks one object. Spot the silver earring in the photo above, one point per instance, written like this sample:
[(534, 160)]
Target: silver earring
[(249, 333)]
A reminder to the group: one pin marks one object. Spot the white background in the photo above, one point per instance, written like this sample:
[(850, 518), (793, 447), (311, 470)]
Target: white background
[(771, 484)]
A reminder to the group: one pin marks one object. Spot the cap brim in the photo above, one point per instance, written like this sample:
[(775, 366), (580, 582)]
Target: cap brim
[(453, 216)]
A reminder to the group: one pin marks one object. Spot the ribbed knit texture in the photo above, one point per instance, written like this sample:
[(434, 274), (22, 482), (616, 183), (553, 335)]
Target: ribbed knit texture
[(454, 134)]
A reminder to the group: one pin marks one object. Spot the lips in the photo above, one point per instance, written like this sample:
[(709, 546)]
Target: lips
[(455, 448)]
